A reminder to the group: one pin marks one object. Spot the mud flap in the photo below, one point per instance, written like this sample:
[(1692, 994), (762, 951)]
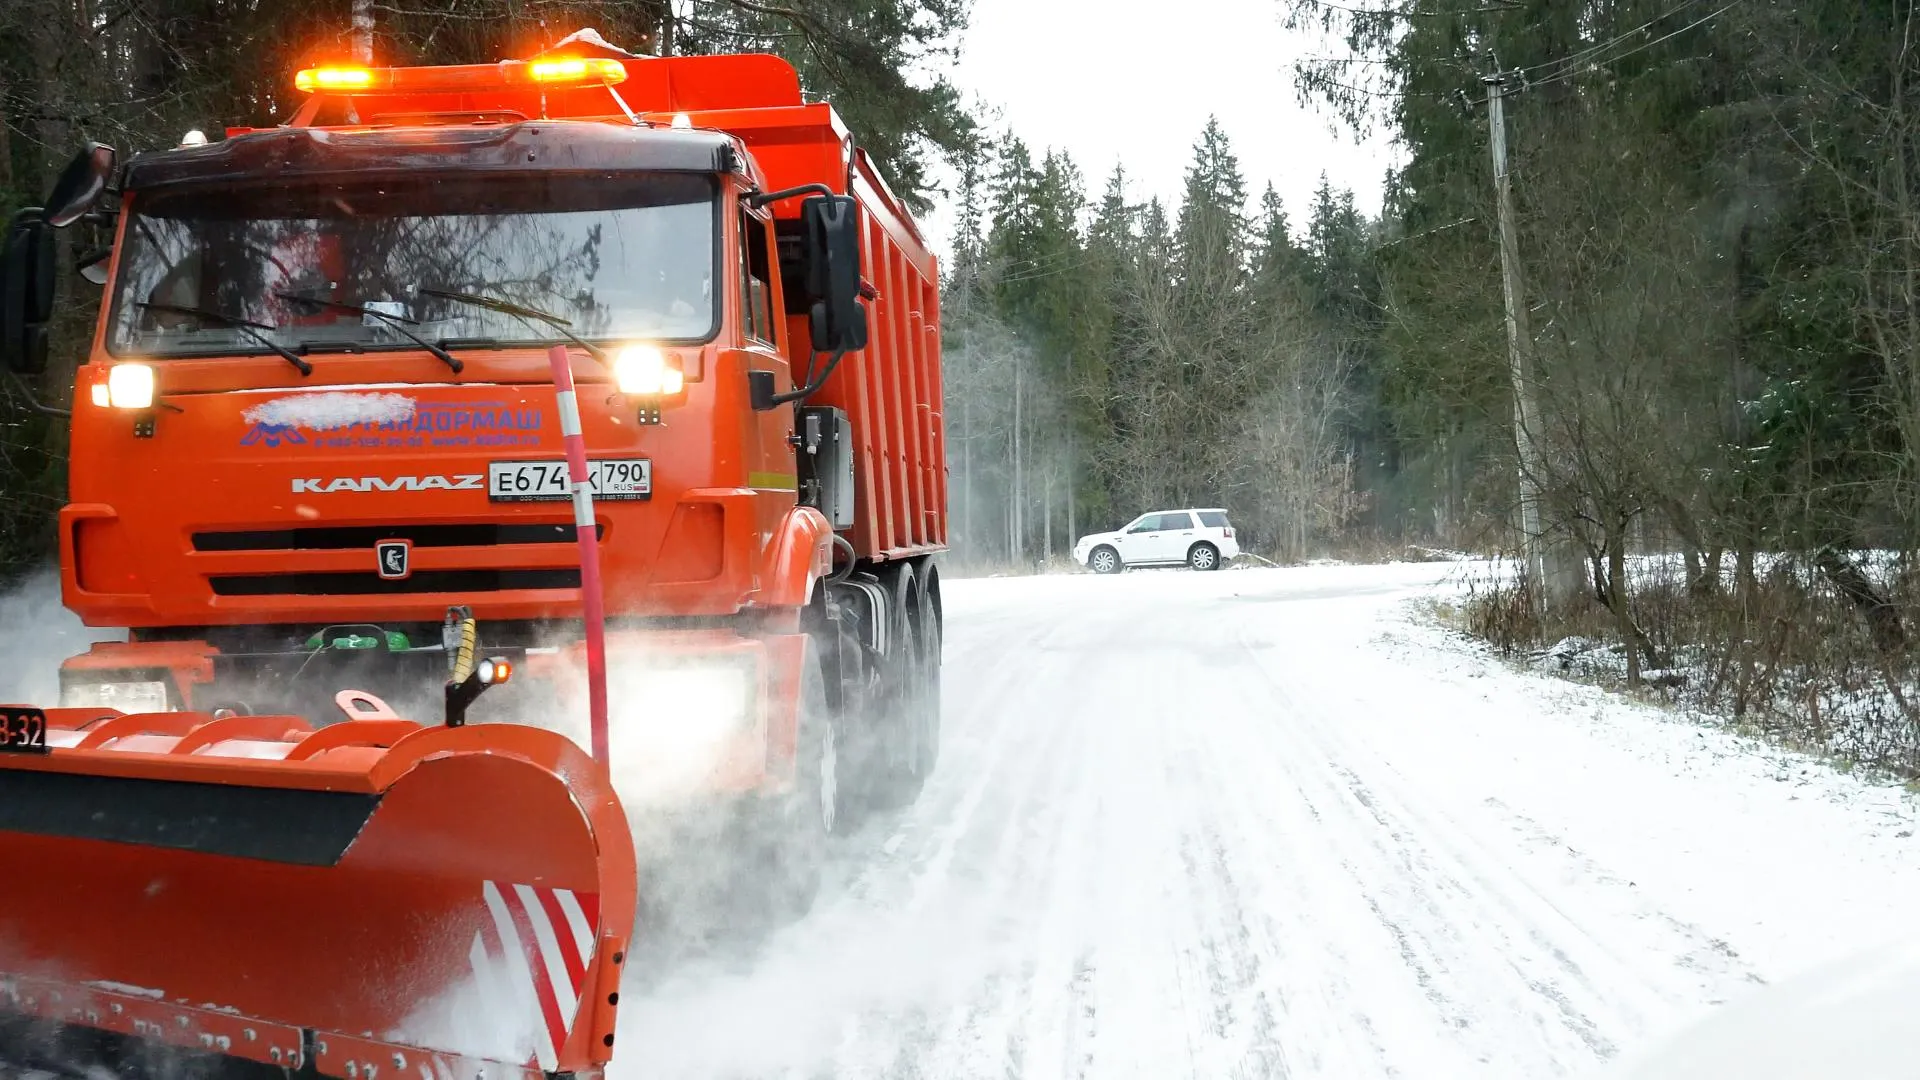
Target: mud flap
[(373, 898)]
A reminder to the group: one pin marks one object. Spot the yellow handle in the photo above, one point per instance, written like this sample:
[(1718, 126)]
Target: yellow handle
[(463, 656)]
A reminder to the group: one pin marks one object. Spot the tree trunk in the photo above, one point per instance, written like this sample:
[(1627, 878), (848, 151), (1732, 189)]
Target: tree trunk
[(1743, 578), (1883, 618), (363, 31), (1630, 636), (1073, 515), (655, 18), (6, 143)]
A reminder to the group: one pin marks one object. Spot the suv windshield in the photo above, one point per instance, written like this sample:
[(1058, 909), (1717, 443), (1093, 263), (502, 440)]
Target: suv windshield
[(617, 255)]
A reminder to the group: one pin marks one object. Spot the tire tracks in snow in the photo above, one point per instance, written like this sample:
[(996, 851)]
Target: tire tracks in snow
[(1468, 926)]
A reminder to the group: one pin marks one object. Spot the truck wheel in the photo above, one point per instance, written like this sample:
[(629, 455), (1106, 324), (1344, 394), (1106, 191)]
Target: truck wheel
[(852, 722), (786, 835), (1105, 560), (930, 638), (1203, 557), (896, 774)]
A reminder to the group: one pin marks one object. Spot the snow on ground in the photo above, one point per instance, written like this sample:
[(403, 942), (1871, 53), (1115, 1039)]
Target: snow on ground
[(1268, 823)]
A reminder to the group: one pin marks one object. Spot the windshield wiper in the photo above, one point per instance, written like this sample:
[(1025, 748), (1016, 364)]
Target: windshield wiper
[(392, 320), (508, 307), (246, 326)]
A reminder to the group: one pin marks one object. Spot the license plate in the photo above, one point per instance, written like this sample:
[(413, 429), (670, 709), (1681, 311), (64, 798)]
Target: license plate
[(613, 479), (22, 731)]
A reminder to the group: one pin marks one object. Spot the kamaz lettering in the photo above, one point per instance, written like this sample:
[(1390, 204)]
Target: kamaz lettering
[(464, 482)]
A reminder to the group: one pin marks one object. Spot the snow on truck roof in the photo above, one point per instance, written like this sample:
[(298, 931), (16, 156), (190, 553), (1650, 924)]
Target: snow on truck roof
[(557, 145)]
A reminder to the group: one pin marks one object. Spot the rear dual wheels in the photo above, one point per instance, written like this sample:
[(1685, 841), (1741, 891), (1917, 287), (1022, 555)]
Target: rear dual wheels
[(909, 722)]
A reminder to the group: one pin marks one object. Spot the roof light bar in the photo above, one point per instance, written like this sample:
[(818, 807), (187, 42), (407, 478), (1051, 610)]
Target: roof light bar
[(551, 72)]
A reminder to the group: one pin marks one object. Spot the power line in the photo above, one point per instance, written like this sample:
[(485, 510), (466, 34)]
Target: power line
[(1640, 48), (1566, 66), (1611, 42)]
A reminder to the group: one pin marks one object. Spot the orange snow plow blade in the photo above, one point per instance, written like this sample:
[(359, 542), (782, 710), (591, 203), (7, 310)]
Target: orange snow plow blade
[(369, 899)]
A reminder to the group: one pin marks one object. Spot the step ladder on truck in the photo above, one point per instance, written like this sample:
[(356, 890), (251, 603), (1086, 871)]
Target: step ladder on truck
[(491, 467)]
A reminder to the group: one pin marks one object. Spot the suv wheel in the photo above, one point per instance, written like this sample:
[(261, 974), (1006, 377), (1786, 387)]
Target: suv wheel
[(1203, 557), (1105, 560)]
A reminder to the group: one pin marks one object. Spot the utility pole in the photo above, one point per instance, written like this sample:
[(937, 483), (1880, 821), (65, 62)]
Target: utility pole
[(1015, 514), (1526, 409)]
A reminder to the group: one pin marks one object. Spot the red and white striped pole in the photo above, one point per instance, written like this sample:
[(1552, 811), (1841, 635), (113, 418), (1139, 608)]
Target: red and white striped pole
[(592, 603)]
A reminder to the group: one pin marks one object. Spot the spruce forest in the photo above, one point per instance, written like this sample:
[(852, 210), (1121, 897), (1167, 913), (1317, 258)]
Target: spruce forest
[(1715, 261)]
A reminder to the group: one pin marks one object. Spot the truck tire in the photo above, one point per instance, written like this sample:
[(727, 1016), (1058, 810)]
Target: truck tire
[(930, 637), (785, 836), (1105, 560), (1203, 557), (896, 773)]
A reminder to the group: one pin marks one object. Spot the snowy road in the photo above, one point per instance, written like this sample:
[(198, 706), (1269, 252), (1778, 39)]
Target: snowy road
[(1258, 824)]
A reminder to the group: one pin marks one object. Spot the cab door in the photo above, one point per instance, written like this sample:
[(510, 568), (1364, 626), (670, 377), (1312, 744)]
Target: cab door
[(1171, 536), (770, 465)]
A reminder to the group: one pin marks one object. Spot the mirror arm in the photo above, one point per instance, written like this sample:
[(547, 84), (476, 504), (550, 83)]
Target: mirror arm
[(26, 392), (811, 388), (760, 199)]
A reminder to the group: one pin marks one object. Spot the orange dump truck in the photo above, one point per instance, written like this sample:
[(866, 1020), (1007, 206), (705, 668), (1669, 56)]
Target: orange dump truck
[(608, 385)]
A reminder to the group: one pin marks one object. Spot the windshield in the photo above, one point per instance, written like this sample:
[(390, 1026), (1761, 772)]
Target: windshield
[(620, 256)]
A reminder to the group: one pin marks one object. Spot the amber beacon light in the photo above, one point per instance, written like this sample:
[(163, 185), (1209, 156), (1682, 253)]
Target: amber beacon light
[(321, 79), (577, 70)]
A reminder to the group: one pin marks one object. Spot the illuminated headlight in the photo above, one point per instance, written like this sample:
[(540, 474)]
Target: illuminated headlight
[(645, 371), (701, 701), (129, 386), (130, 697), (672, 727)]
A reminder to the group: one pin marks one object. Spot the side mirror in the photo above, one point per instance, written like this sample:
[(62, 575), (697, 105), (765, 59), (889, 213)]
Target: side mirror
[(92, 267), (832, 236), (26, 292), (80, 185)]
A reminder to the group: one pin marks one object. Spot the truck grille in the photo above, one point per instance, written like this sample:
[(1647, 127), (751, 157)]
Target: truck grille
[(423, 581), (342, 538)]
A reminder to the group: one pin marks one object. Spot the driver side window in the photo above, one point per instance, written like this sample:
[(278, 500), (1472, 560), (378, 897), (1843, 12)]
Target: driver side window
[(756, 289)]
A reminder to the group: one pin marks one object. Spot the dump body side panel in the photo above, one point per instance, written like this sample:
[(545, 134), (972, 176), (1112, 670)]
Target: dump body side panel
[(891, 390)]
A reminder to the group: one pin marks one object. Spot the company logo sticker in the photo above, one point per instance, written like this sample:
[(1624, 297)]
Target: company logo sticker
[(396, 559), (343, 421)]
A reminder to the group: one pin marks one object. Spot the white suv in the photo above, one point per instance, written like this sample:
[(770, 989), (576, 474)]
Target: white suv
[(1202, 539)]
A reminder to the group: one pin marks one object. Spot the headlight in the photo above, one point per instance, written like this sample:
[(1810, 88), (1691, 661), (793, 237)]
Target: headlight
[(130, 697), (129, 386), (645, 371), (672, 726)]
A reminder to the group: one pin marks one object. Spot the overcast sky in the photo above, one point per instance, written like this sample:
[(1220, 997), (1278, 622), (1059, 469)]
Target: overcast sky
[(1133, 82)]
